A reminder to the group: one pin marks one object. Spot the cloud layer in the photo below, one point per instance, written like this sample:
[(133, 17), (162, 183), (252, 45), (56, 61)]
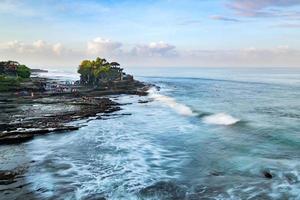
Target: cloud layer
[(38, 53), (103, 46), (42, 53), (36, 48), (222, 18), (264, 8), (154, 49)]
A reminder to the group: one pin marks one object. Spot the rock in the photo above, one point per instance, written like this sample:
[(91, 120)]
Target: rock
[(11, 174), (143, 101), (45, 112), (19, 136), (5, 175), (94, 197), (16, 138), (216, 173), (267, 174), (164, 190)]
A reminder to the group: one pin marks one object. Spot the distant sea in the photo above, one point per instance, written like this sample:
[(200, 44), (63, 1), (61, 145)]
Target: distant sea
[(210, 132)]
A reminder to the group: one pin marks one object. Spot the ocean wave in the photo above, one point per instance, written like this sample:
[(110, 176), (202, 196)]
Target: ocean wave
[(171, 102), (220, 119), (61, 75)]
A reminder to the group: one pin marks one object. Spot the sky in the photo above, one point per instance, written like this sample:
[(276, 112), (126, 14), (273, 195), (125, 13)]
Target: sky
[(150, 33)]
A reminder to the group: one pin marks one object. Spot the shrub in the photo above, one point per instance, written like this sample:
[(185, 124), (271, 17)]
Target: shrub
[(23, 71), (8, 83)]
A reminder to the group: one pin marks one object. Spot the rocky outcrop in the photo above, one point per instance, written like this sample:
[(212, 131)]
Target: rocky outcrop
[(9, 176), (30, 109), (24, 124), (23, 135)]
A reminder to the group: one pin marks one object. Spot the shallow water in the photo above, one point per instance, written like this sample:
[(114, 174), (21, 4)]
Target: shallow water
[(208, 133)]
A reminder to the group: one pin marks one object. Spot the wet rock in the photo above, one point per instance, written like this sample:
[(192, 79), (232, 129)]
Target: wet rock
[(216, 173), (164, 190), (113, 109), (46, 112), (16, 138), (143, 101), (8, 176), (267, 174), (19, 136), (126, 114), (94, 197), (5, 175)]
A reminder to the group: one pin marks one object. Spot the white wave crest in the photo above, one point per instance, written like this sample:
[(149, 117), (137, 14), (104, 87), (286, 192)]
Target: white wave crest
[(171, 102), (220, 119)]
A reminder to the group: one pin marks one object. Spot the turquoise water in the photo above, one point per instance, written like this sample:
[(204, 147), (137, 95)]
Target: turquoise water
[(206, 134)]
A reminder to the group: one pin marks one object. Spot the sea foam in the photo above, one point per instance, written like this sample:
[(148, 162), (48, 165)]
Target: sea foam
[(171, 102), (220, 119)]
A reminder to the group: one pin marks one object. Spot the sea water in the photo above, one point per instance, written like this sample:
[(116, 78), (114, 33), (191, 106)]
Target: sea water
[(209, 133)]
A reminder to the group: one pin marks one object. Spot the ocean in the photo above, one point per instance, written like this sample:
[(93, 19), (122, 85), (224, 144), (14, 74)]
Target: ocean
[(207, 133)]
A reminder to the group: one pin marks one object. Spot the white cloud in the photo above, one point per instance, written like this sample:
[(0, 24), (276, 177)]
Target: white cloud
[(58, 48), (37, 47), (222, 18), (282, 56), (265, 8), (100, 46), (260, 4), (155, 49), (39, 44), (14, 45), (42, 53)]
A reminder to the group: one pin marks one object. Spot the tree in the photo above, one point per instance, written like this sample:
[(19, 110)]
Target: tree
[(114, 64), (99, 70), (85, 70), (23, 71)]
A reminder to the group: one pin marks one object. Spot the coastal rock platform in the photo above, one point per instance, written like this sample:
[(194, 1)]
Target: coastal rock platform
[(25, 116)]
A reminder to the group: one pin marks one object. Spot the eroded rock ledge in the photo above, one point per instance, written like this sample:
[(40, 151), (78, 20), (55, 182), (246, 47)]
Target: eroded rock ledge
[(23, 117)]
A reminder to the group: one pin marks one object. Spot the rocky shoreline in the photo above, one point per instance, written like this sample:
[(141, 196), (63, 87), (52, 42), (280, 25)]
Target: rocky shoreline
[(24, 117)]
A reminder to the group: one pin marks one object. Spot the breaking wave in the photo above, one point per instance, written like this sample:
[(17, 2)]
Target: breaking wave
[(182, 109), (171, 102), (220, 119)]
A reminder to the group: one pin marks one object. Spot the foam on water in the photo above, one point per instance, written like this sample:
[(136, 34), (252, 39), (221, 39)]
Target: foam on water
[(220, 119), (171, 102), (60, 75), (119, 157)]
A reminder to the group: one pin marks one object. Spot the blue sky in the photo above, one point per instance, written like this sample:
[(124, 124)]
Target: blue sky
[(204, 33)]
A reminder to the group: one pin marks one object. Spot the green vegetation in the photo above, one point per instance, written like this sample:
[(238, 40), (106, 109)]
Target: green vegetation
[(8, 83), (13, 68), (93, 72), (23, 71), (12, 74)]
